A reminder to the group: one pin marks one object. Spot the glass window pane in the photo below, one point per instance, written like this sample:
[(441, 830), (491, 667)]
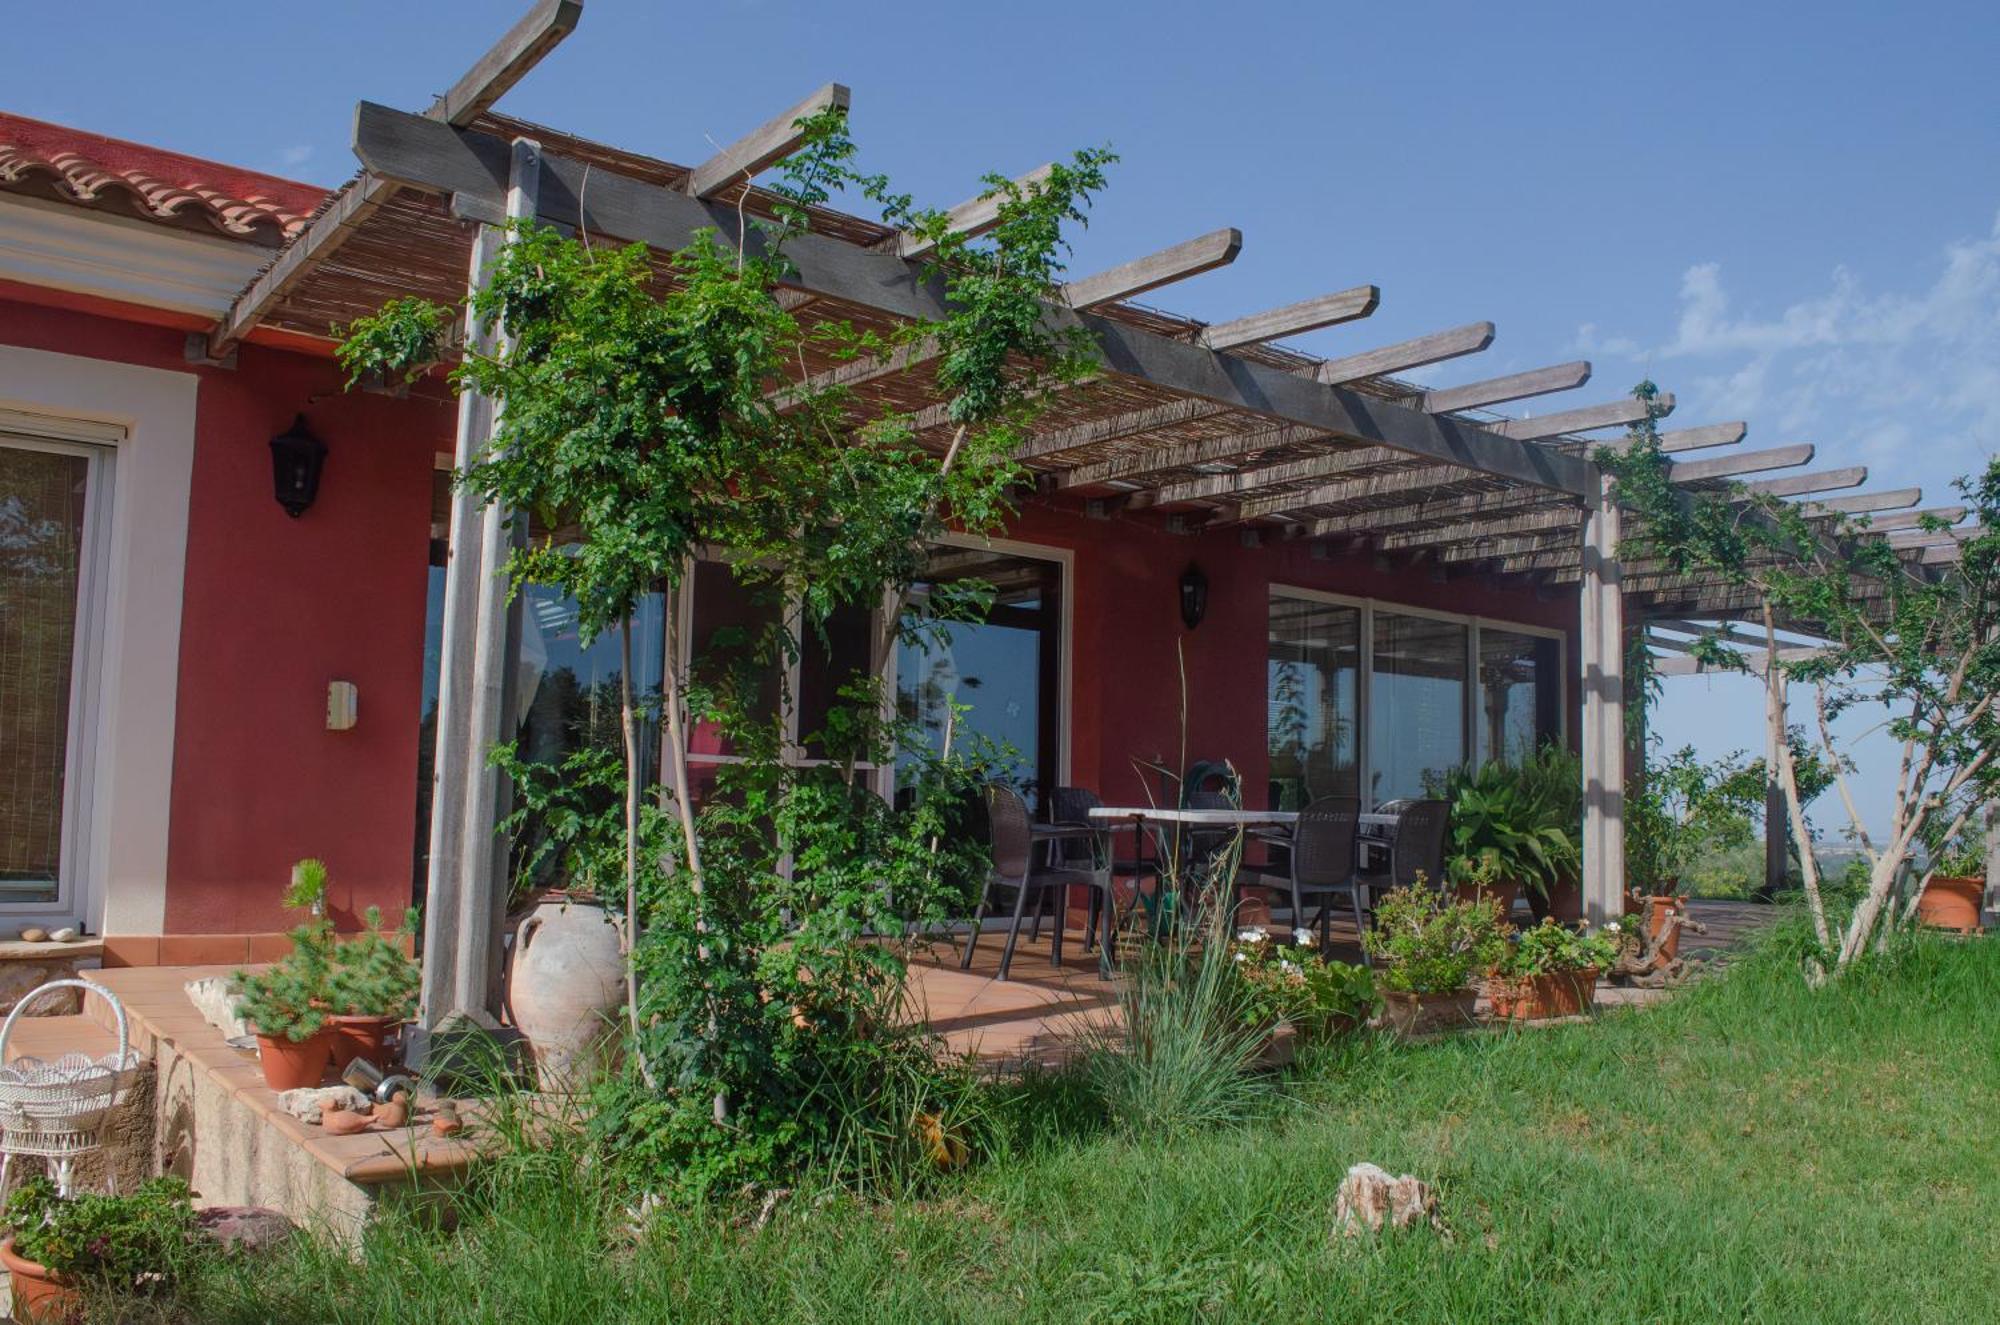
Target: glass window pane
[(1004, 668), (1416, 703), (728, 637), (1313, 673), (1520, 693), (41, 555), (829, 658)]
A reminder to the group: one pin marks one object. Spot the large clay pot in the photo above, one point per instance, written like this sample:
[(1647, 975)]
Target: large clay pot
[(1541, 997), (1504, 893), (1564, 902), (292, 1064), (566, 986), (41, 1297), (1951, 903)]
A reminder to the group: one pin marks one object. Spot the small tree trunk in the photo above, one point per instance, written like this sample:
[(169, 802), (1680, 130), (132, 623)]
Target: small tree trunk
[(628, 726), (676, 725), (1781, 749)]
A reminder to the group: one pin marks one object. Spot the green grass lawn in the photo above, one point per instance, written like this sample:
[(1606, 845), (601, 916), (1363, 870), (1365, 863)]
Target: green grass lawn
[(1750, 1151)]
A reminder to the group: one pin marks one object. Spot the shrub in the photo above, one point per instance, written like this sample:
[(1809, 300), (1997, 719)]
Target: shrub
[(1430, 944), (1552, 946), (1515, 823)]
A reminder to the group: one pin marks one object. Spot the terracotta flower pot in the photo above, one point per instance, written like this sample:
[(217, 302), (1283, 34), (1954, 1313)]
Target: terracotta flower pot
[(41, 1297), (1655, 910), (1546, 996), (1564, 902), (1427, 1014), (1951, 903), (359, 1037), (290, 1064)]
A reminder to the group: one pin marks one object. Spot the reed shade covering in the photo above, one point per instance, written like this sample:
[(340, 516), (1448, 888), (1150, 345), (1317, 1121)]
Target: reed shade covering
[(41, 546)]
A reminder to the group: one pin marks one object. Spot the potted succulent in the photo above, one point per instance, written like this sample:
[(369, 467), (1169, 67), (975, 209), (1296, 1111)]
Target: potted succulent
[(1293, 994), (372, 989), (56, 1245), (1428, 945), (1514, 827), (1551, 970)]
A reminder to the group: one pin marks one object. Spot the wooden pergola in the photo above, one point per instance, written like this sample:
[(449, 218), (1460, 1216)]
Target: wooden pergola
[(1190, 423)]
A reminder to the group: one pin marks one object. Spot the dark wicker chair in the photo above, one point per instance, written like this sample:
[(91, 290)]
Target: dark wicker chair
[(1321, 863), (1072, 805), (1419, 845), (1016, 869)]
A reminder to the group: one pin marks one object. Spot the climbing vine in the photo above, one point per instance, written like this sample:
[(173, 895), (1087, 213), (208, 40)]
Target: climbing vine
[(653, 415)]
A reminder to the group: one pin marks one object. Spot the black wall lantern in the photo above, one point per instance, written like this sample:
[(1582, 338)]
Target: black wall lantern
[(1194, 596), (296, 460)]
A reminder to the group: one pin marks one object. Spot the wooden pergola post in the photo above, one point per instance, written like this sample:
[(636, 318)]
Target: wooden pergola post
[(465, 895), (1601, 663)]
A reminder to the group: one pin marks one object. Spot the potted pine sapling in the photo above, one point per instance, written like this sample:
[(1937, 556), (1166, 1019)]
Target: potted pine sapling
[(1428, 946), (372, 989), (287, 1004), (58, 1246), (1551, 970)]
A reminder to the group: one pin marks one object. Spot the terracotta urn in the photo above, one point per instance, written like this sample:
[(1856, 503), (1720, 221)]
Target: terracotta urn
[(1951, 903), (40, 1296), (566, 985)]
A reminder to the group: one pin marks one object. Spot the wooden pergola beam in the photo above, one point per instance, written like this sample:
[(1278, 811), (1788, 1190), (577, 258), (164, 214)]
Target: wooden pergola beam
[(420, 154), (1908, 538), (1390, 483), (1911, 519), (1324, 310), (1183, 455), (506, 63), (971, 218), (1129, 280), (1514, 386), (1480, 531), (1435, 512), (1243, 481), (1746, 462), (770, 142), (1404, 355), (1892, 499), (1798, 485), (1611, 414), (1707, 436)]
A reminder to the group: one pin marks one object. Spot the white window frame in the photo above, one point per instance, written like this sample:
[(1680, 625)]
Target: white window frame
[(97, 444), (1364, 682)]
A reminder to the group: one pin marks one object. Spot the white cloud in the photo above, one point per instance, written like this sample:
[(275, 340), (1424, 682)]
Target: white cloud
[(1905, 379), (290, 157)]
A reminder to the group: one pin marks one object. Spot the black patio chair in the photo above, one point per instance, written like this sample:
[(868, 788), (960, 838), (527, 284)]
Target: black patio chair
[(1015, 868), (1418, 848), (1321, 864), (1072, 806)]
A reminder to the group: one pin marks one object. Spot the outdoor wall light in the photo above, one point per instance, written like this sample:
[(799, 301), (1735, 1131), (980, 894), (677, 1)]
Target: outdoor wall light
[(1194, 596), (296, 460)]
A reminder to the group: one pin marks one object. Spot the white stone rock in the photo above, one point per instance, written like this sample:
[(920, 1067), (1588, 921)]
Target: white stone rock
[(218, 1007), (1369, 1198), (308, 1102), (65, 935)]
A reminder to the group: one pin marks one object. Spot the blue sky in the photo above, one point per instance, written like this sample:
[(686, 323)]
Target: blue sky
[(1783, 213)]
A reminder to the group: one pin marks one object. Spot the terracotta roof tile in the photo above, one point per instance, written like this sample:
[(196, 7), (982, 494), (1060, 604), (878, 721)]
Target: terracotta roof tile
[(73, 166)]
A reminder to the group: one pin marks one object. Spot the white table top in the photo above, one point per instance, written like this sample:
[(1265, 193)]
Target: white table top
[(1194, 818)]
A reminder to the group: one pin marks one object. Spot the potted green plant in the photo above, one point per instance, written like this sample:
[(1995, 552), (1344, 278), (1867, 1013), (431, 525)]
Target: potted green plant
[(1428, 946), (1293, 994), (372, 989), (287, 1004), (1683, 809), (1515, 827), (1550, 970), (57, 1245)]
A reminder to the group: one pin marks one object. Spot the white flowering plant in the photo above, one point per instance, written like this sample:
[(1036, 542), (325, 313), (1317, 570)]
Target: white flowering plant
[(1551, 947), (1288, 981)]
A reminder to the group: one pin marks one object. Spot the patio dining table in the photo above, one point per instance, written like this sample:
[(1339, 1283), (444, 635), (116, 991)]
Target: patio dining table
[(1139, 816)]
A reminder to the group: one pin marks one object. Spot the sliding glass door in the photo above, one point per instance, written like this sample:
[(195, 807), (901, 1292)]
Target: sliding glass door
[(1372, 700), (49, 494)]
